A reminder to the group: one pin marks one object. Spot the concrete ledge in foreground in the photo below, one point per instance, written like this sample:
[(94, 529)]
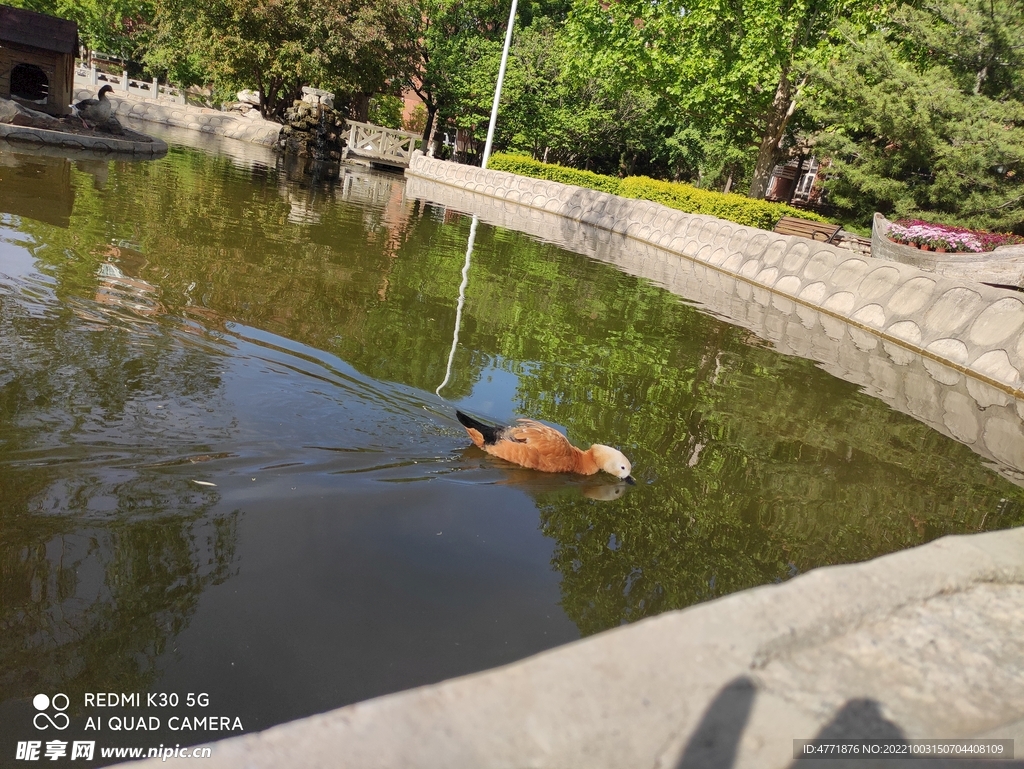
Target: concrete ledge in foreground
[(924, 643)]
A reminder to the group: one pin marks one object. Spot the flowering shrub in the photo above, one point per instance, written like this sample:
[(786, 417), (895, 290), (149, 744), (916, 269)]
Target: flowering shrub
[(914, 232)]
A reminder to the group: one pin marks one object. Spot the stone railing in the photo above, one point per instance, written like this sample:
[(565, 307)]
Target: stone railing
[(89, 75)]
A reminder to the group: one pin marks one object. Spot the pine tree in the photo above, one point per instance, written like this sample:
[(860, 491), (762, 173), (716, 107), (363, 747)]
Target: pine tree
[(925, 118)]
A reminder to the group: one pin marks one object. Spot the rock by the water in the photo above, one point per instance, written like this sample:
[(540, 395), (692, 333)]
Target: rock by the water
[(312, 130), (248, 97), (13, 113)]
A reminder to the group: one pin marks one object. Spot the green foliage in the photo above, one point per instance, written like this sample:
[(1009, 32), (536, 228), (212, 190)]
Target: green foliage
[(121, 28), (386, 110), (560, 113), (277, 46), (728, 206), (723, 76), (926, 119), (456, 48), (525, 166), (417, 121)]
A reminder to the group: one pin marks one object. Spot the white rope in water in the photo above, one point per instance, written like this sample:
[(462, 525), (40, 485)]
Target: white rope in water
[(459, 306)]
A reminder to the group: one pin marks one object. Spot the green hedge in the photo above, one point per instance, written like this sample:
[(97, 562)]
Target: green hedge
[(724, 205), (524, 165), (729, 206)]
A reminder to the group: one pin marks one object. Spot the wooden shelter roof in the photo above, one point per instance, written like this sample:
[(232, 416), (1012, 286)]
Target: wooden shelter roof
[(37, 30)]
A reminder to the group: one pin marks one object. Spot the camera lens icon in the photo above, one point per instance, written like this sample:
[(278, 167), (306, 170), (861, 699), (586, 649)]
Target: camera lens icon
[(43, 720)]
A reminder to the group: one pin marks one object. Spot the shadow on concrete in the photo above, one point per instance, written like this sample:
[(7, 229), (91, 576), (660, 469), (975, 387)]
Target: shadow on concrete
[(717, 737), (715, 742)]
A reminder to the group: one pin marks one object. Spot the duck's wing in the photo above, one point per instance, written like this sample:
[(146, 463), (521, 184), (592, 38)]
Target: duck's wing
[(531, 444), (85, 104)]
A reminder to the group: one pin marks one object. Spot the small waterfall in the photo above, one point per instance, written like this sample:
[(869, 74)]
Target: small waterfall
[(313, 128)]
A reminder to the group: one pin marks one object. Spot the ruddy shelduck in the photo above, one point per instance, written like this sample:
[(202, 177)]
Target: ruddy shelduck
[(539, 447)]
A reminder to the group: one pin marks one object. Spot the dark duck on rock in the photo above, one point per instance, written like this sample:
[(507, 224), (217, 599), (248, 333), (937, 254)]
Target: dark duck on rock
[(95, 111)]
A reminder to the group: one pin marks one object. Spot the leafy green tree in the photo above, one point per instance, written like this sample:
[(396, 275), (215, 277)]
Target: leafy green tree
[(452, 38), (926, 118), (725, 75), (459, 46), (118, 27), (354, 47), (386, 110)]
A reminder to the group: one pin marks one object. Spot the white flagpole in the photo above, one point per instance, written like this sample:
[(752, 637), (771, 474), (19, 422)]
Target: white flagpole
[(497, 90)]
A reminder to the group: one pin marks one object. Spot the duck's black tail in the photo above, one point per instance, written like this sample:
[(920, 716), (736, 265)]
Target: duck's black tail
[(490, 434)]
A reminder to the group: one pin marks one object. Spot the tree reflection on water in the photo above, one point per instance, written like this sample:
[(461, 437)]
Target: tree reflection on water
[(751, 466)]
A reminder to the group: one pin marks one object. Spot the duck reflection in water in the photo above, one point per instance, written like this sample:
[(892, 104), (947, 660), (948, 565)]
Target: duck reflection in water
[(544, 485)]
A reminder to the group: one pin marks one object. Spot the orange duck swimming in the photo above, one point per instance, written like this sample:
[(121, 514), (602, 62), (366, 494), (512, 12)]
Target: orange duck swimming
[(539, 447)]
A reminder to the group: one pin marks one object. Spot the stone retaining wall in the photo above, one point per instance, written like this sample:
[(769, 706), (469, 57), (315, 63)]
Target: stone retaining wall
[(41, 137), (972, 328), (987, 419), (230, 124)]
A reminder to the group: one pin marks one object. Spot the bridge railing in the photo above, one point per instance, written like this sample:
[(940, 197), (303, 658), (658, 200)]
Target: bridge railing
[(385, 145), (87, 73)]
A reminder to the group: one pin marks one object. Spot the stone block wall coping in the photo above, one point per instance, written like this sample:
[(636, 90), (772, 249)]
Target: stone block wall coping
[(922, 643), (970, 327)]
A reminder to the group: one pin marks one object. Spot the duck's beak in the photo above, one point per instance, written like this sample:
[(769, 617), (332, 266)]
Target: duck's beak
[(629, 479)]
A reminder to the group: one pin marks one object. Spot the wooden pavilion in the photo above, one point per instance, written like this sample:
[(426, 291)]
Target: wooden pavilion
[(37, 59)]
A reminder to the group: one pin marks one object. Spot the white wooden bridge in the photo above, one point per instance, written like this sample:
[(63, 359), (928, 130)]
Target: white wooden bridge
[(385, 146)]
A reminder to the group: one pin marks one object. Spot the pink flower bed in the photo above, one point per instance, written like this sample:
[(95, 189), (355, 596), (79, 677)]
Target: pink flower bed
[(914, 232)]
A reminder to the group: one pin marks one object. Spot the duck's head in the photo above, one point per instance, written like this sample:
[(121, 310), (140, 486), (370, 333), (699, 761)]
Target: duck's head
[(612, 461), (104, 91)]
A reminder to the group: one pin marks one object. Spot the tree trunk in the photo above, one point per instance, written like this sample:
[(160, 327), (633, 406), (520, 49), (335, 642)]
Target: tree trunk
[(359, 107), (782, 109), (428, 129)]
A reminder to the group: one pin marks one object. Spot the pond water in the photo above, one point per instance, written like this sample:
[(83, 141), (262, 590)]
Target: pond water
[(224, 467)]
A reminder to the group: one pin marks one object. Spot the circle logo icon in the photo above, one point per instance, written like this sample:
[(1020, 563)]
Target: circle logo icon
[(43, 720)]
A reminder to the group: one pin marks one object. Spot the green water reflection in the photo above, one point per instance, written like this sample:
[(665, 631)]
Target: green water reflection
[(138, 299)]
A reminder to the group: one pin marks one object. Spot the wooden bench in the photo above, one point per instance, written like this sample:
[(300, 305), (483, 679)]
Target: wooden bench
[(791, 225)]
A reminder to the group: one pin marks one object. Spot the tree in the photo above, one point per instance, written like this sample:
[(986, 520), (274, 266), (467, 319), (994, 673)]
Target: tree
[(353, 47), (745, 64), (118, 27), (926, 117), (446, 31), (563, 113), (727, 74), (459, 45)]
